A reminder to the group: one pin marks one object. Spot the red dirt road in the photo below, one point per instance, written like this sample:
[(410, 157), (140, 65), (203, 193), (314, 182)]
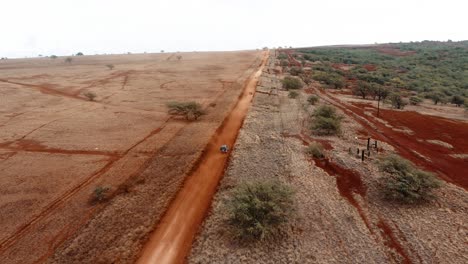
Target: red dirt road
[(172, 239)]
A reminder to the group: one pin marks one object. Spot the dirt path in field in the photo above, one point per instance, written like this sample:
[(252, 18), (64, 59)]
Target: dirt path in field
[(172, 239)]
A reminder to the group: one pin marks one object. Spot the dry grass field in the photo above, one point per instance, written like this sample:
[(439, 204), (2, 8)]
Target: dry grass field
[(57, 146)]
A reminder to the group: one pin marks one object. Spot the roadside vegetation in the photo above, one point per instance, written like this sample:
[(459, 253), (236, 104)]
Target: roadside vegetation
[(189, 110), (326, 121), (100, 194), (257, 210), (293, 94), (315, 150), (404, 182), (291, 83)]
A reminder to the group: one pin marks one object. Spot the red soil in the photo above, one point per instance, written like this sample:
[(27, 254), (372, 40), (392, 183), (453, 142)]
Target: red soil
[(172, 239), (370, 67), (394, 51), (424, 127), (392, 242)]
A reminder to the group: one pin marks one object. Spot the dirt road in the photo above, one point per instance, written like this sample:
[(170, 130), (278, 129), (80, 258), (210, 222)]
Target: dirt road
[(173, 237), (57, 147)]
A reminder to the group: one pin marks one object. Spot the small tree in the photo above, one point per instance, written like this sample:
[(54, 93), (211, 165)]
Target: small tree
[(404, 182), (257, 210), (362, 89), (68, 60), (291, 83), (110, 66), (397, 101), (457, 100), (315, 150), (79, 54), (436, 97), (90, 95), (313, 99), (414, 100), (53, 57), (189, 110)]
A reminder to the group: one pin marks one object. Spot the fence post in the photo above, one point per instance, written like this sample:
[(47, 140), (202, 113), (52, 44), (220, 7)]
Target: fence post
[(368, 143), (362, 156)]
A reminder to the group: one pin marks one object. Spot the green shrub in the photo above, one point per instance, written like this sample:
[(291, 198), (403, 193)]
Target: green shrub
[(414, 100), (291, 83), (79, 54), (326, 121), (257, 210), (53, 56), (295, 71), (282, 56), (189, 110), (313, 99), (110, 66), (293, 94), (405, 182), (90, 95), (315, 150), (100, 194)]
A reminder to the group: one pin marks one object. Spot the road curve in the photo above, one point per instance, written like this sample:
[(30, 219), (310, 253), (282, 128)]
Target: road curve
[(172, 239)]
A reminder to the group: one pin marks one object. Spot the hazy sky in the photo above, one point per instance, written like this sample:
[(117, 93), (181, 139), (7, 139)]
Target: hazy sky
[(63, 27)]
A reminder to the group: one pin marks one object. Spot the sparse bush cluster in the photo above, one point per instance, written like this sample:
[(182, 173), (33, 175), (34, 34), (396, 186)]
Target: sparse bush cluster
[(326, 121), (110, 66), (313, 99), (291, 83), (315, 150), (257, 210), (293, 94), (404, 182), (189, 110)]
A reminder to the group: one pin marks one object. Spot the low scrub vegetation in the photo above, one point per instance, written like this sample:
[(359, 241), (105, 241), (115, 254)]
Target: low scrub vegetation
[(326, 121), (291, 83), (110, 66), (404, 182), (315, 150), (293, 94), (257, 210), (189, 110), (90, 95), (295, 71), (100, 194), (313, 99)]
